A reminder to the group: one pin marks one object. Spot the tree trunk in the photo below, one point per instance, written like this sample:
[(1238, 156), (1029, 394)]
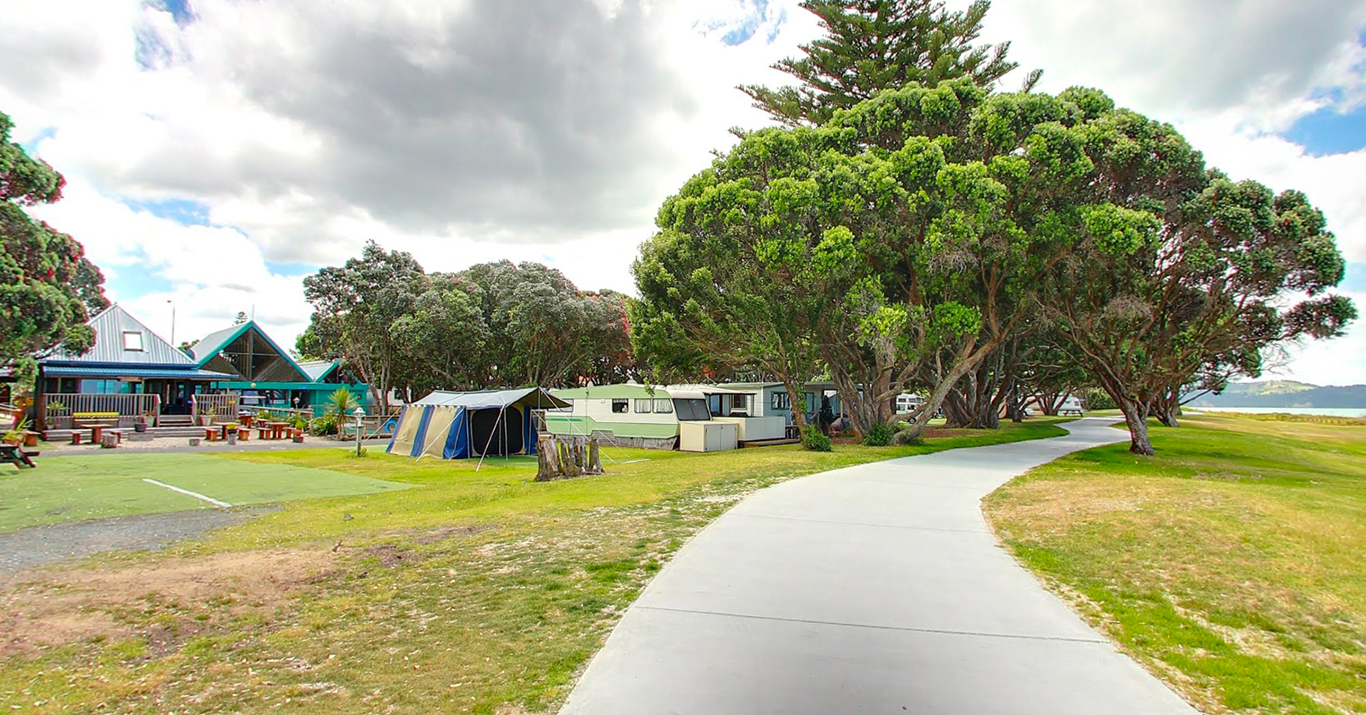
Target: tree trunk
[(799, 409), (1167, 408), (1136, 417)]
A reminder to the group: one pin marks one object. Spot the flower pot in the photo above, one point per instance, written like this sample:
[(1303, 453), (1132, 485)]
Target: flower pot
[(140, 427), (232, 438), (31, 439)]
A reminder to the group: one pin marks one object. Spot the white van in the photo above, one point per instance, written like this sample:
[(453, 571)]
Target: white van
[(906, 404)]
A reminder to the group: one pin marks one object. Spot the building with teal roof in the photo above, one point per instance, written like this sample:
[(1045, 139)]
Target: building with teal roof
[(267, 376)]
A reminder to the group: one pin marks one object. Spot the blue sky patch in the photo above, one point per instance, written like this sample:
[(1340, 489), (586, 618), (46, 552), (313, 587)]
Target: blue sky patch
[(1355, 279), (182, 211), (1328, 131), (291, 269), (755, 15), (31, 146), (179, 9)]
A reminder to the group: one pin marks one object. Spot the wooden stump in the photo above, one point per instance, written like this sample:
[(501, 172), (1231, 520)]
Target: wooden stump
[(566, 457)]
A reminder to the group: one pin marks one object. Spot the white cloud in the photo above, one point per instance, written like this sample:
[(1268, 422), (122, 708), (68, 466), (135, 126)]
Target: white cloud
[(1341, 361), (477, 130)]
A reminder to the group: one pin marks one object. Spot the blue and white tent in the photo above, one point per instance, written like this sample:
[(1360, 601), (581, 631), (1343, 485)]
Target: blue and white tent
[(463, 425)]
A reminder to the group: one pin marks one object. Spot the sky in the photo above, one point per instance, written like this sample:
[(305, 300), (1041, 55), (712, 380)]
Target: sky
[(219, 151)]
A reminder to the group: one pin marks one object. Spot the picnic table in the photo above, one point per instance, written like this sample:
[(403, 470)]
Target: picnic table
[(13, 454), (277, 429)]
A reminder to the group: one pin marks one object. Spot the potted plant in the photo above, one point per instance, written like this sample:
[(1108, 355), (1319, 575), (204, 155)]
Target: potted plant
[(15, 436), (141, 424), (56, 411), (231, 431)]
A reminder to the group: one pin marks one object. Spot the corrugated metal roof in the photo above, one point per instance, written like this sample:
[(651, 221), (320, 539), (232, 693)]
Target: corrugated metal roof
[(110, 327), (145, 373), (214, 342), (527, 397), (318, 369)]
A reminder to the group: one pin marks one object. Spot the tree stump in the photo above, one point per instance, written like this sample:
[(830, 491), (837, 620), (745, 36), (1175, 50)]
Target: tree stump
[(566, 457)]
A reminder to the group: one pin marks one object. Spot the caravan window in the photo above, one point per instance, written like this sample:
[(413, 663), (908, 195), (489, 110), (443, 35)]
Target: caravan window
[(692, 410), (664, 407), (643, 407), (621, 406)]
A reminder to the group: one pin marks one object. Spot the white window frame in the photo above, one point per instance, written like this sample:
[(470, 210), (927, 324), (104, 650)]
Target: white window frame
[(141, 342), (664, 406)]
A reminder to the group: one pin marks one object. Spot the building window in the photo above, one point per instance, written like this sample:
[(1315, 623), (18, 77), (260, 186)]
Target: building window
[(621, 407), (781, 401), (664, 407), (643, 407), (132, 340)]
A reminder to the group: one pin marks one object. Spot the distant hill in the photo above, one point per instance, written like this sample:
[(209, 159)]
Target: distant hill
[(1285, 393)]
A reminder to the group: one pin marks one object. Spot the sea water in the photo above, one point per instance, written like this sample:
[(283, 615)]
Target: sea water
[(1325, 411)]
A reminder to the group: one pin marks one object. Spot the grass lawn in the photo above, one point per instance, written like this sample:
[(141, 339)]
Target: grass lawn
[(469, 593), (1232, 563), (102, 486)]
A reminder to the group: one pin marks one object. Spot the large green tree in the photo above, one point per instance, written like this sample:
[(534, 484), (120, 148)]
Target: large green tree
[(355, 307), (47, 286), (1160, 294), (875, 45)]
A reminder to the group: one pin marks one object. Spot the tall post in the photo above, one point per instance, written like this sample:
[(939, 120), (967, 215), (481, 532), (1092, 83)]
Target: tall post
[(360, 415)]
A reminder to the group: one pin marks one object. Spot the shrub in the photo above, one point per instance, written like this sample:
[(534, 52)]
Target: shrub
[(813, 440), (879, 435), (1097, 399), (324, 426), (904, 439)]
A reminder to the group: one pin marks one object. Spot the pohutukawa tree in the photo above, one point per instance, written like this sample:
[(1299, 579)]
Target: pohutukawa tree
[(1159, 292), (875, 45), (492, 325), (913, 236), (47, 287)]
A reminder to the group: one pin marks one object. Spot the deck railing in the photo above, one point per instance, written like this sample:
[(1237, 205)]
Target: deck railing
[(222, 407), (61, 410)]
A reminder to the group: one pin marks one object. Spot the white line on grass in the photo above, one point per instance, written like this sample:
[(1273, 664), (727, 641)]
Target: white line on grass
[(189, 493)]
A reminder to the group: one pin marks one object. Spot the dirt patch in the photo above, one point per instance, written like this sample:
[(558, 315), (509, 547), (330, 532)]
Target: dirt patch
[(446, 533), (164, 602)]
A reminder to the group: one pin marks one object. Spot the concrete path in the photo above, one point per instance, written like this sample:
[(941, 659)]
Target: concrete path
[(873, 589)]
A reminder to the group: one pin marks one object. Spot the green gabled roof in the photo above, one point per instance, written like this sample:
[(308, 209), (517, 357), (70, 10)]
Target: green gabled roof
[(213, 343), (606, 392)]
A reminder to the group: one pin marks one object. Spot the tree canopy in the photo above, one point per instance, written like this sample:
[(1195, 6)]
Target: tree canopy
[(876, 45), (492, 325), (47, 286), (913, 236)]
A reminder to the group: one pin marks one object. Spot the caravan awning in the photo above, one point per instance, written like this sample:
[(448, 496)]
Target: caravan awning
[(533, 397)]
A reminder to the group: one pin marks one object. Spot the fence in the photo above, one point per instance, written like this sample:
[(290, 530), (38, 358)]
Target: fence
[(59, 409), (217, 408)]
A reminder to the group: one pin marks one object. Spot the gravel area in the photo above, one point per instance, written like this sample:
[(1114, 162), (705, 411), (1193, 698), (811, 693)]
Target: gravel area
[(45, 545)]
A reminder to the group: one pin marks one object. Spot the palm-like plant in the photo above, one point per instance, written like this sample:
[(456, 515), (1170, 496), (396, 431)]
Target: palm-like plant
[(341, 404)]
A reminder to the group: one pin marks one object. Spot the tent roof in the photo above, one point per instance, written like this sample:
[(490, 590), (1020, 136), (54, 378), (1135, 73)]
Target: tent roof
[(488, 399)]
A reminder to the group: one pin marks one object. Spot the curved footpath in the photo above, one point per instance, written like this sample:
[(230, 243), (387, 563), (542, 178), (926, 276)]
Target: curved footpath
[(872, 589)]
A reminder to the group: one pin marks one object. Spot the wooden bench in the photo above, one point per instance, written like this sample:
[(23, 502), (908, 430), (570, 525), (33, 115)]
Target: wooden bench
[(12, 454)]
